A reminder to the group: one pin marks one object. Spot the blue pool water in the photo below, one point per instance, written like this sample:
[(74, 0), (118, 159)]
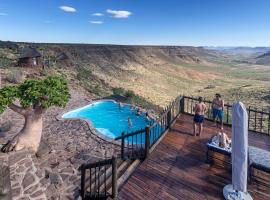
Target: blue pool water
[(109, 119)]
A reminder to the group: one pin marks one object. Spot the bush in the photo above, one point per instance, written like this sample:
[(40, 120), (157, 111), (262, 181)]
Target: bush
[(130, 94), (44, 72), (15, 76), (5, 62), (118, 91)]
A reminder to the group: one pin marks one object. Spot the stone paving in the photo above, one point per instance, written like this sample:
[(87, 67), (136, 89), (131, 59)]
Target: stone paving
[(53, 172), (24, 176)]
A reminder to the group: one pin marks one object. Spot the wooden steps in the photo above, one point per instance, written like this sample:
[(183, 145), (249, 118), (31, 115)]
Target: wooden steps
[(100, 186)]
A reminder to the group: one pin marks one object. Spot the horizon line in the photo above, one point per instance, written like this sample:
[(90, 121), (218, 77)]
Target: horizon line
[(155, 45)]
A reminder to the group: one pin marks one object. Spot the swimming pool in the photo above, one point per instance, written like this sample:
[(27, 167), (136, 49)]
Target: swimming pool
[(109, 118)]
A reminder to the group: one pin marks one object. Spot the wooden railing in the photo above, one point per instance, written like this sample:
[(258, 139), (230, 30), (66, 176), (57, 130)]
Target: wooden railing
[(133, 144), (95, 179), (137, 145), (258, 119), (162, 124)]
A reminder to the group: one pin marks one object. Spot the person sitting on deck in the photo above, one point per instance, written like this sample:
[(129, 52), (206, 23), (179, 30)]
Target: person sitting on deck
[(218, 106), (222, 140), (199, 109)]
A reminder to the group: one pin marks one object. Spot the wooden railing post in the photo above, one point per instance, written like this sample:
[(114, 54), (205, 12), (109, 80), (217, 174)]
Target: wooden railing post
[(114, 178), (82, 182), (147, 141), (123, 146), (169, 117), (182, 104)]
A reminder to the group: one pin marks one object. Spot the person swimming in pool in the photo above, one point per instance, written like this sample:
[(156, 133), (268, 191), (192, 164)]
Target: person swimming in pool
[(120, 105), (199, 109), (147, 116), (139, 111), (129, 122), (132, 107), (218, 107)]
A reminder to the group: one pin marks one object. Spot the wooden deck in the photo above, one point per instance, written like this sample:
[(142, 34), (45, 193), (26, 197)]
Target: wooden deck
[(176, 169)]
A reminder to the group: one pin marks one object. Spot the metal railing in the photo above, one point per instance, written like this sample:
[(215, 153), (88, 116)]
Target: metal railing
[(137, 145), (95, 179), (133, 144), (258, 119)]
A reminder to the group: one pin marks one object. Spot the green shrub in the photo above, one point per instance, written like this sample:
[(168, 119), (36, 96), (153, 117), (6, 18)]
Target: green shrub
[(119, 91), (130, 94), (44, 72), (5, 62)]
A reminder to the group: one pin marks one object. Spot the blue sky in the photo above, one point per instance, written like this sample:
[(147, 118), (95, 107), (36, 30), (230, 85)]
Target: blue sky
[(157, 22)]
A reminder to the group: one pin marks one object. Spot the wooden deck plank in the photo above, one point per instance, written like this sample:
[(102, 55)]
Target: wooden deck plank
[(176, 169)]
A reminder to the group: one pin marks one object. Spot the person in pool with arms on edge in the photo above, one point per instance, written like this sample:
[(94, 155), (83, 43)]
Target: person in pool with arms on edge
[(218, 107), (199, 109)]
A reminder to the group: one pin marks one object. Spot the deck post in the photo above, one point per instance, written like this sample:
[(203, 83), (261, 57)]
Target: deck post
[(114, 178), (123, 145), (83, 182), (169, 117), (147, 141), (182, 104)]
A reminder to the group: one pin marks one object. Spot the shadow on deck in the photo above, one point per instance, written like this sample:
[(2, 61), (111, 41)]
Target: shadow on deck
[(176, 169)]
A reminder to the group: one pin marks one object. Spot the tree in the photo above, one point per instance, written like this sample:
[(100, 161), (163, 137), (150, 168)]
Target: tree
[(31, 99)]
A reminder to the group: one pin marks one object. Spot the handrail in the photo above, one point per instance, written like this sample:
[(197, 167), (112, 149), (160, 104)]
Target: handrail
[(134, 144), (98, 174), (258, 119), (166, 112), (230, 106), (130, 134), (92, 165)]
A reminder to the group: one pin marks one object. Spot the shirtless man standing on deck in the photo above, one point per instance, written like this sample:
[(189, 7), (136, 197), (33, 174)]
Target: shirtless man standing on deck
[(218, 107), (199, 109)]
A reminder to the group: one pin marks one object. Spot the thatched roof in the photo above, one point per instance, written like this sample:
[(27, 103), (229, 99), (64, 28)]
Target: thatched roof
[(62, 56), (29, 52)]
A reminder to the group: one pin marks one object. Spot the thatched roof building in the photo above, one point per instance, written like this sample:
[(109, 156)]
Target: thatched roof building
[(30, 57)]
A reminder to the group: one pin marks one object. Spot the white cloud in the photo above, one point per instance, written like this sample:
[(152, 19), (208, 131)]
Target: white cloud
[(119, 13), (98, 14), (3, 14), (96, 22), (68, 9)]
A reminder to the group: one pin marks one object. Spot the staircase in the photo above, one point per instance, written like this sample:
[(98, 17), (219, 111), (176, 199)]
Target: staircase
[(103, 179)]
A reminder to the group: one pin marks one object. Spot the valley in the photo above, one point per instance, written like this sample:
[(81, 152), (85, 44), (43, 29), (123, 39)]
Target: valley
[(156, 73)]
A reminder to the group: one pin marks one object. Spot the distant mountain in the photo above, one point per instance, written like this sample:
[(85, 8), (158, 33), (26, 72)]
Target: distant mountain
[(119, 56), (247, 51), (263, 59)]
